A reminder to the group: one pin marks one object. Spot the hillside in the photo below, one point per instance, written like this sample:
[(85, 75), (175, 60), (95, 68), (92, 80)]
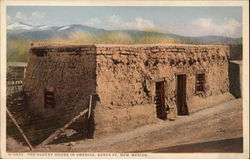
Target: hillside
[(20, 35)]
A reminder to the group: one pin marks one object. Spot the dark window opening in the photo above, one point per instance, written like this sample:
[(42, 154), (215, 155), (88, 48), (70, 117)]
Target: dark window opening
[(200, 82), (49, 100), (160, 100)]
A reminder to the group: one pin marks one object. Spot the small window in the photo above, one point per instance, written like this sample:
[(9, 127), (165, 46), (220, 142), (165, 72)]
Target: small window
[(49, 100), (200, 82)]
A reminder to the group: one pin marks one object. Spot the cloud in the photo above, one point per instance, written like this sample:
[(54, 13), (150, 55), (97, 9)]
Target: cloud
[(207, 26), (93, 22), (32, 18), (38, 15), (116, 22), (20, 16), (139, 24)]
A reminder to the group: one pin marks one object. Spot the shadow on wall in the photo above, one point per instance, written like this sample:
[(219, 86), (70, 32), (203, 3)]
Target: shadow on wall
[(235, 70), (72, 83), (235, 79), (236, 52), (82, 131)]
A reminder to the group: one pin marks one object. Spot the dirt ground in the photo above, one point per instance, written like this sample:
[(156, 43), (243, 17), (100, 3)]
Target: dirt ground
[(215, 129), (226, 145)]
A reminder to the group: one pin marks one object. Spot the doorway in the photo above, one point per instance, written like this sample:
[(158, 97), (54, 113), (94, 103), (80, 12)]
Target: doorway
[(182, 108), (160, 100)]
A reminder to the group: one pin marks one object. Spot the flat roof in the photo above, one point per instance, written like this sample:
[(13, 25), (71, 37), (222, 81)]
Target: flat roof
[(73, 45)]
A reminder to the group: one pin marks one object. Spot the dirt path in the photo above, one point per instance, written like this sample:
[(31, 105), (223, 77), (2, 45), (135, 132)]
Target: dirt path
[(226, 145), (220, 122)]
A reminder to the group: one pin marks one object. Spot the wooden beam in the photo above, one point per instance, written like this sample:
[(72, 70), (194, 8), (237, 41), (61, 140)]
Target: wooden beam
[(19, 129)]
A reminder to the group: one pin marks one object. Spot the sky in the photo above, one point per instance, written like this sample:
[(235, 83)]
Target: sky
[(186, 21)]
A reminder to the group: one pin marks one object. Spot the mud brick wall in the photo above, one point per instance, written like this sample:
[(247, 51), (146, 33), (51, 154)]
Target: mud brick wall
[(123, 78), (126, 76), (70, 71)]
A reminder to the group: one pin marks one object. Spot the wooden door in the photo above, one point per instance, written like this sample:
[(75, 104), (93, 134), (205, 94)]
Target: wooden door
[(182, 108), (160, 100)]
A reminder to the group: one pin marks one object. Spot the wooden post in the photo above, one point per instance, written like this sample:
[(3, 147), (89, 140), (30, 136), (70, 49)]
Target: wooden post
[(61, 130), (19, 129), (89, 117), (90, 106)]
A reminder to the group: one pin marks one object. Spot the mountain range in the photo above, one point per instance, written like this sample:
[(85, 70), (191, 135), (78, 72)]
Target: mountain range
[(17, 31)]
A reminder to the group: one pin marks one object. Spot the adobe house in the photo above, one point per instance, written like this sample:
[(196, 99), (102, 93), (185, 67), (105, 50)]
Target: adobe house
[(133, 85)]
